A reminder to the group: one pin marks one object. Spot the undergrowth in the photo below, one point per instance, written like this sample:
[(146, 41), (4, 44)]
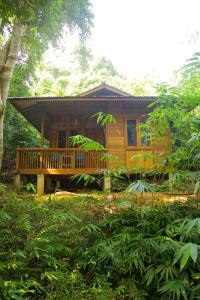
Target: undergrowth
[(79, 250)]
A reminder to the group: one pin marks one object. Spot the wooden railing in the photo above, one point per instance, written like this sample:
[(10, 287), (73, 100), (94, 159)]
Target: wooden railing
[(56, 158)]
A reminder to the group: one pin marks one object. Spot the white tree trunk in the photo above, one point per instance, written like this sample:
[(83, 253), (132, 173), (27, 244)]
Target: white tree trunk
[(8, 58), (1, 138)]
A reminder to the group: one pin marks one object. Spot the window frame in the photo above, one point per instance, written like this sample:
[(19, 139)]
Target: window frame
[(139, 145), (136, 123)]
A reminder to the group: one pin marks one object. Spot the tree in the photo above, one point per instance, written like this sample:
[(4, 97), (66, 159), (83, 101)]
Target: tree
[(17, 130), (27, 28), (178, 109), (83, 56), (106, 65)]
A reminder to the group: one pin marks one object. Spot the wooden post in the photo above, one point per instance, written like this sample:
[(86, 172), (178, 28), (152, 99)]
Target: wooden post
[(40, 184), (17, 159), (73, 160), (41, 158), (107, 184), (42, 139), (17, 181), (42, 130)]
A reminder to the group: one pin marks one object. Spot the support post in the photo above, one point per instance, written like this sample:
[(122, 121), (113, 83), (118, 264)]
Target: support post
[(42, 131), (40, 184), (107, 184), (17, 159), (17, 181)]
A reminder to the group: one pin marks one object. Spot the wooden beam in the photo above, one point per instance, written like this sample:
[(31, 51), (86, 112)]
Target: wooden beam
[(60, 171)]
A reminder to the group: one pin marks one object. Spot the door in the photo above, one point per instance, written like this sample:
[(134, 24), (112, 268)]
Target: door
[(62, 138), (96, 134)]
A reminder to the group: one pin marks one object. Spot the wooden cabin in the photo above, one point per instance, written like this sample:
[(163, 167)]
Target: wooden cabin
[(60, 117)]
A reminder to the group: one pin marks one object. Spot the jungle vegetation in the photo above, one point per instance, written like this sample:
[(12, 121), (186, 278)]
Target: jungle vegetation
[(96, 247)]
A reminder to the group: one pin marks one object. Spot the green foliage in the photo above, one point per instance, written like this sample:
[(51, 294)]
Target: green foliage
[(105, 65), (85, 143), (83, 56), (185, 252), (45, 22), (87, 179), (31, 187), (18, 132), (104, 118), (42, 27), (178, 110), (140, 186), (71, 249)]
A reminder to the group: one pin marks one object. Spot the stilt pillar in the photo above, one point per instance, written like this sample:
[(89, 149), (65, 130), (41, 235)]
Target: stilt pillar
[(107, 184), (40, 184), (17, 181)]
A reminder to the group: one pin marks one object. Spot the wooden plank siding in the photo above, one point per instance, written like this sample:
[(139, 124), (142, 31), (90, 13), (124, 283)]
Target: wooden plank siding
[(139, 156), (115, 135)]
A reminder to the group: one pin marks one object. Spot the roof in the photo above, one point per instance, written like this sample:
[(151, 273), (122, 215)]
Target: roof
[(32, 108), (105, 90), (101, 92)]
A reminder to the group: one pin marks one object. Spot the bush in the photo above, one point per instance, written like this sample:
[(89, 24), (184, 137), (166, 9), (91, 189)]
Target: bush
[(71, 250)]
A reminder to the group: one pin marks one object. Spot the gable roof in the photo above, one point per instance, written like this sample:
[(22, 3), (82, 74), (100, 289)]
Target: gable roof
[(33, 107), (105, 90)]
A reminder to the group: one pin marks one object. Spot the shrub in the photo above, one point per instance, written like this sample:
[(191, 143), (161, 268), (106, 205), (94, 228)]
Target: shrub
[(62, 249)]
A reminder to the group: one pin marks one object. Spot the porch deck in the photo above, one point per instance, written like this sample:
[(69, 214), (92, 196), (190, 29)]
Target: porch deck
[(57, 161)]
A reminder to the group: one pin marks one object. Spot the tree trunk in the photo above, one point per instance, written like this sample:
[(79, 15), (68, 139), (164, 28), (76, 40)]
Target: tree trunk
[(8, 58), (1, 139)]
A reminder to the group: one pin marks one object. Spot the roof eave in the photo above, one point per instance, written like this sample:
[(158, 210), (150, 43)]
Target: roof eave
[(54, 99)]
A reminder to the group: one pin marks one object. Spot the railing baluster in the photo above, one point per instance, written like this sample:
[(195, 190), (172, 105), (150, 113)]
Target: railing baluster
[(58, 159)]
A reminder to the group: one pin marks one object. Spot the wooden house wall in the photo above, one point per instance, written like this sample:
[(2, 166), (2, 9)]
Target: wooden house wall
[(82, 124), (139, 156), (115, 135)]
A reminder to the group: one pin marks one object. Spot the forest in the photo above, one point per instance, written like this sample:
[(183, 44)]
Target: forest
[(139, 239)]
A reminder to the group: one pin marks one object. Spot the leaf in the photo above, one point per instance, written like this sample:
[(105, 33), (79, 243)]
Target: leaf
[(185, 252), (104, 118), (88, 179), (4, 215), (85, 143), (140, 186), (197, 186), (174, 288)]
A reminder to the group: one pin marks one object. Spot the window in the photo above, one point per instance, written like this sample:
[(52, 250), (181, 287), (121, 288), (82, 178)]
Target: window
[(132, 133)]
